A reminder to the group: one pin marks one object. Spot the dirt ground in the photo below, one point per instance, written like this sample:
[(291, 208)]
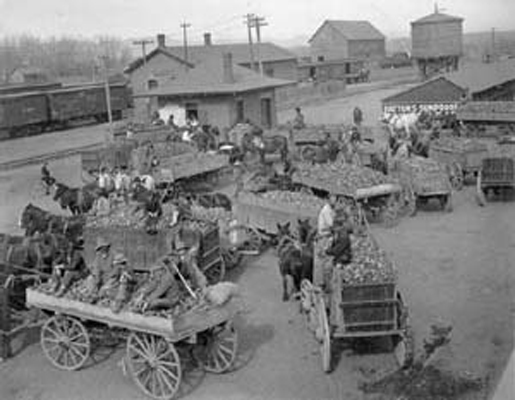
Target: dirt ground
[(452, 267)]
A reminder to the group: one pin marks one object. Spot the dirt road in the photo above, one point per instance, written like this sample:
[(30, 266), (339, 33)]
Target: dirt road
[(455, 267)]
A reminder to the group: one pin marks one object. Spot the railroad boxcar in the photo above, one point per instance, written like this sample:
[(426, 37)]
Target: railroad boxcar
[(86, 102), (22, 114)]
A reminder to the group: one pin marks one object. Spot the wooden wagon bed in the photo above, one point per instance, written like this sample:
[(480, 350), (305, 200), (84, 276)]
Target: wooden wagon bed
[(189, 165), (193, 321), (264, 214)]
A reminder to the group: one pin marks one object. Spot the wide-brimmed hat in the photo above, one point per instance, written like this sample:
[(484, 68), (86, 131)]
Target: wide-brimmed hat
[(101, 243), (119, 259)]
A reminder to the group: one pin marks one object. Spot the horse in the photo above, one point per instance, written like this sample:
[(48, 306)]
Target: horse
[(292, 262), (76, 200), (253, 143), (38, 253), (35, 220)]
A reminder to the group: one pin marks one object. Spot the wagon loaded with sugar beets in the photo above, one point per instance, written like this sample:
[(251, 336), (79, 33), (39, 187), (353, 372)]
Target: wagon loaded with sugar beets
[(424, 179), (496, 179), (156, 344), (125, 229), (463, 157), (358, 300), (380, 196)]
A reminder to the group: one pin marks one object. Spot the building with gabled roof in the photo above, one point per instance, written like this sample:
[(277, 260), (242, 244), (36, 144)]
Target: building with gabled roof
[(340, 40), (215, 90), (477, 82)]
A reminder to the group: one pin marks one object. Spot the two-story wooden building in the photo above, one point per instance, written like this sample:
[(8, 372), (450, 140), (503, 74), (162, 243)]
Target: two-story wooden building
[(341, 40)]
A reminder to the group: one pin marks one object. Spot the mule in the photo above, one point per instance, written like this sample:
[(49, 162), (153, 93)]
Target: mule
[(76, 200), (263, 145), (292, 263)]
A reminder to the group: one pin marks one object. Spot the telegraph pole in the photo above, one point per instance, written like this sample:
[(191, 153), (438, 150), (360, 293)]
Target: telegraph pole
[(493, 45), (248, 22), (143, 43), (258, 22), (110, 137), (184, 27)]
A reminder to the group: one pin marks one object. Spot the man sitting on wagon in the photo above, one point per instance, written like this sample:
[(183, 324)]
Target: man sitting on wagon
[(101, 267), (187, 244), (69, 268)]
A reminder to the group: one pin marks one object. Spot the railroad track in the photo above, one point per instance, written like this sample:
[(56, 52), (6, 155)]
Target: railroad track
[(56, 155)]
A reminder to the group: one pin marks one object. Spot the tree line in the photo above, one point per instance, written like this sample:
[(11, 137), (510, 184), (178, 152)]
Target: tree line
[(65, 56)]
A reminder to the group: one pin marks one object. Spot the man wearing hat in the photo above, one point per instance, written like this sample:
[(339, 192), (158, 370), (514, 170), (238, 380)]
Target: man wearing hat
[(102, 264), (116, 283), (163, 290), (187, 244), (69, 268)]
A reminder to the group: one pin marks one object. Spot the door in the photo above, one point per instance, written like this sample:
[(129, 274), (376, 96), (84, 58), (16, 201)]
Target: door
[(266, 113), (240, 111)]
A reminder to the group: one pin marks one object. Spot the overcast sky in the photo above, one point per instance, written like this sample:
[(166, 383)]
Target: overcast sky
[(224, 18)]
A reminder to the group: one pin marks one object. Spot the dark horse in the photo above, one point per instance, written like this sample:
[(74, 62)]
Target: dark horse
[(293, 261), (262, 145), (36, 220), (77, 200)]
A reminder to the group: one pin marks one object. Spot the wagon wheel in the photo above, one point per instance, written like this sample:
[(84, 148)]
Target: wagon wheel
[(254, 242), (447, 205), (323, 335), (480, 195), (216, 272), (65, 342), (221, 348), (456, 176), (154, 365), (232, 258)]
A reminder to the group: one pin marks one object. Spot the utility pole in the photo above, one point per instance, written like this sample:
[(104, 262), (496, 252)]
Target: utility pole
[(248, 22), (493, 45), (110, 137), (184, 27), (143, 43), (258, 22)]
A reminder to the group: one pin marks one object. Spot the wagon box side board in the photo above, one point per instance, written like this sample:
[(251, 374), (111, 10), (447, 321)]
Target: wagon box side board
[(181, 327)]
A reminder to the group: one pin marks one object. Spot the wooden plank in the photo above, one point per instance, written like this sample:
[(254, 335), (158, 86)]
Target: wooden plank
[(193, 321)]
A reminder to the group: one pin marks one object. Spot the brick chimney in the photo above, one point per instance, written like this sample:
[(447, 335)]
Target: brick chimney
[(161, 41), (207, 39), (228, 68)]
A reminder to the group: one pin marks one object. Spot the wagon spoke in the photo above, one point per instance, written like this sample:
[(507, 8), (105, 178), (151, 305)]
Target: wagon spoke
[(166, 382), (72, 356), (160, 383), (142, 347), (51, 331), (169, 373), (170, 364)]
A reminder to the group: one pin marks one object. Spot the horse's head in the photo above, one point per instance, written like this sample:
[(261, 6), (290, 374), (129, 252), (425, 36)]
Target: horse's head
[(304, 229)]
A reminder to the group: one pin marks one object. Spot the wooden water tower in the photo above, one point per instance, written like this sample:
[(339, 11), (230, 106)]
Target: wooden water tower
[(437, 43)]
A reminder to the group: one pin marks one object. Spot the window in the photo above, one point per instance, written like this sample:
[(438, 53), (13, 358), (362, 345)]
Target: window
[(321, 58), (240, 111), (266, 113), (269, 72), (192, 111), (152, 84)]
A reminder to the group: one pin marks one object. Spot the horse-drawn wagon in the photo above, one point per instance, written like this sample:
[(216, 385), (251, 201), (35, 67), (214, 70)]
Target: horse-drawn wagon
[(424, 179), (379, 196), (360, 300), (142, 249), (154, 344), (463, 157), (261, 213)]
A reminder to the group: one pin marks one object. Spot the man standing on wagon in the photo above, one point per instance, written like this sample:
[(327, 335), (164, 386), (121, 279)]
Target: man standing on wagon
[(322, 262)]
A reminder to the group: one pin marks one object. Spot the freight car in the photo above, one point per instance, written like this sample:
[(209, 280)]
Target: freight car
[(30, 113)]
